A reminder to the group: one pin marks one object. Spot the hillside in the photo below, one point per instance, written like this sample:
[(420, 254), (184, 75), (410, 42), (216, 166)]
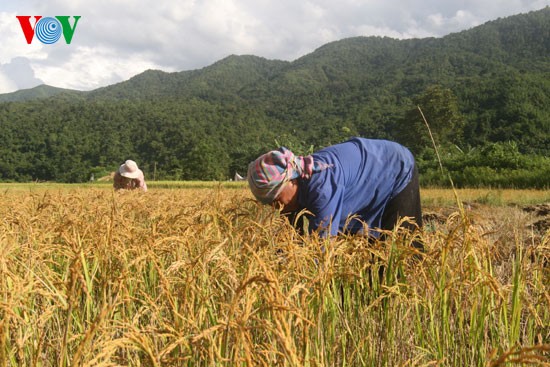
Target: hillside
[(39, 92), (223, 79), (485, 90), (519, 43)]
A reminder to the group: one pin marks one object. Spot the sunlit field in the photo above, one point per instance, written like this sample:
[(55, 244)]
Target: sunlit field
[(198, 274)]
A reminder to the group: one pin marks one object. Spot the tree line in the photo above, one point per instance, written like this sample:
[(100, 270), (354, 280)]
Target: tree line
[(484, 94)]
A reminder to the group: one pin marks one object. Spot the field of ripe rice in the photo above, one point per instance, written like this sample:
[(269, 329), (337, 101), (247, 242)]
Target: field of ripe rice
[(206, 277)]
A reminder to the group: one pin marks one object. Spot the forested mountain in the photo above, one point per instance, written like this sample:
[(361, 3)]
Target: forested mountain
[(41, 91), (485, 93)]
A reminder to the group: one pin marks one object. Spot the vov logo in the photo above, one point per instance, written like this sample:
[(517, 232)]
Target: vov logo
[(48, 30)]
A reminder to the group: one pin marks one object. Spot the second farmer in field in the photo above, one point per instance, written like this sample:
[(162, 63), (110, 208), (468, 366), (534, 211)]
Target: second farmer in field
[(358, 186), (129, 177)]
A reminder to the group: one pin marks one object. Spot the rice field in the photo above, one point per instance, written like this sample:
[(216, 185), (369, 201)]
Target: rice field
[(198, 274)]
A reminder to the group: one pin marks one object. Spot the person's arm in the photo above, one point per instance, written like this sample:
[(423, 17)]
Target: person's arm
[(140, 183), (143, 186), (326, 219), (325, 202)]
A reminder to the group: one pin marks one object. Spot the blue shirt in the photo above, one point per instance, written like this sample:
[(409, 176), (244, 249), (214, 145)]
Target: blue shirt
[(365, 174)]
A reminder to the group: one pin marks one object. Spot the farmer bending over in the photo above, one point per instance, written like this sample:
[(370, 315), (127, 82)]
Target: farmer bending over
[(376, 181), (129, 177)]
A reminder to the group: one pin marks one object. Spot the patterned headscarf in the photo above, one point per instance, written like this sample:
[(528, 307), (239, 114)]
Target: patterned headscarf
[(268, 174)]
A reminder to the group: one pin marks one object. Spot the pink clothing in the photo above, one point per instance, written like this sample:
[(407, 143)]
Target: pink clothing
[(120, 182)]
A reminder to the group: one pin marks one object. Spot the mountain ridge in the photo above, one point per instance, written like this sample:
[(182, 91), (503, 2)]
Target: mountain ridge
[(376, 49), (485, 93)]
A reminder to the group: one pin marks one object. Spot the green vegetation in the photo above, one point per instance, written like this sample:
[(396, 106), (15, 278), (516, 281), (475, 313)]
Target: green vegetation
[(485, 93)]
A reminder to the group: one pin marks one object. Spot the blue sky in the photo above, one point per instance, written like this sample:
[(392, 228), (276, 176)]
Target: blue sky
[(117, 39)]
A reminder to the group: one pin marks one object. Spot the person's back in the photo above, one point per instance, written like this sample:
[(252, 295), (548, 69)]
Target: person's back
[(342, 186), (364, 175)]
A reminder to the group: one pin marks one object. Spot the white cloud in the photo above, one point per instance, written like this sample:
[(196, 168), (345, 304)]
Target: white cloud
[(7, 85), (107, 68), (115, 40), (17, 74)]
